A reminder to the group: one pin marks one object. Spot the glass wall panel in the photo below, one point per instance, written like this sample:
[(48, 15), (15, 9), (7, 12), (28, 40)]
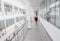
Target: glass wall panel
[(53, 15), (2, 26), (9, 22), (17, 19), (8, 9), (20, 11), (52, 12), (0, 6), (58, 15), (24, 11), (15, 10)]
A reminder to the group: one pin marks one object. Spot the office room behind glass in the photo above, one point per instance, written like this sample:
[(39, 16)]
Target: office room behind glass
[(54, 13), (8, 9)]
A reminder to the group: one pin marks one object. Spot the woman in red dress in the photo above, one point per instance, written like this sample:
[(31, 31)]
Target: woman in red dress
[(36, 19)]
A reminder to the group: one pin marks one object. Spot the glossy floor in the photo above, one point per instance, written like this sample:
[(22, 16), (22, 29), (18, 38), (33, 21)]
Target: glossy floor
[(37, 33)]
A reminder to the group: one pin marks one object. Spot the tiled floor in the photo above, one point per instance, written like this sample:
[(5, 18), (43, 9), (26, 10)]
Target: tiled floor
[(37, 33)]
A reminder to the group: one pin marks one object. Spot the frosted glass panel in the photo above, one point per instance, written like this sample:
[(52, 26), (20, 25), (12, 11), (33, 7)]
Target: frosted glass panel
[(2, 26), (9, 22), (17, 19), (8, 9), (52, 14)]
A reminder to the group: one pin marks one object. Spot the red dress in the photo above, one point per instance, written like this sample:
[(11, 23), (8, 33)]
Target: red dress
[(36, 19)]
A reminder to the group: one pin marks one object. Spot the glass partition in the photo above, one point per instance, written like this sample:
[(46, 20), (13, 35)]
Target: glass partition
[(0, 6), (52, 12), (20, 11), (8, 9), (9, 22), (0, 9), (24, 11), (2, 26), (58, 15), (15, 10), (17, 19)]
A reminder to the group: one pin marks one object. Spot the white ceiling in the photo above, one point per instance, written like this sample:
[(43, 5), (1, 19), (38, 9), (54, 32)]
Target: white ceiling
[(32, 3), (35, 4), (38, 4)]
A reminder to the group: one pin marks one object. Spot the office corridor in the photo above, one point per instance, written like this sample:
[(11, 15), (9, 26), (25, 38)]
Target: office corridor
[(17, 20), (37, 33)]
